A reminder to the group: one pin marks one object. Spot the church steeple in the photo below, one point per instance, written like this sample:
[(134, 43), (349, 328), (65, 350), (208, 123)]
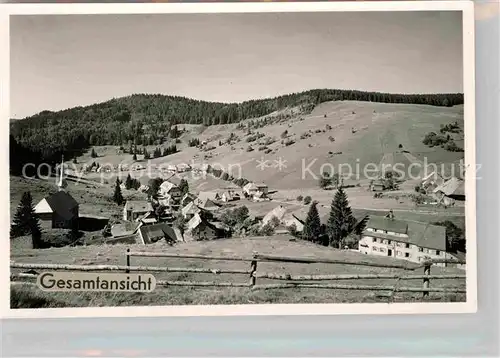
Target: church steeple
[(61, 184)]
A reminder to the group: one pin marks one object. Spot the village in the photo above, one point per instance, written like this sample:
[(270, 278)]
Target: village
[(166, 210)]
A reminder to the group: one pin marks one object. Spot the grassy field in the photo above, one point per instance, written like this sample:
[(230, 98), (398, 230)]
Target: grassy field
[(379, 130), (278, 245)]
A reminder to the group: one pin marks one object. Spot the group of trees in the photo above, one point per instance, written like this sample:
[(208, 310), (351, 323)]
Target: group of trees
[(149, 119), (341, 223), (445, 138), (132, 183), (326, 180), (157, 153)]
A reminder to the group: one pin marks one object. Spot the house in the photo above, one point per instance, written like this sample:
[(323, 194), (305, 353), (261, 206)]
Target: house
[(206, 204), (230, 195), (190, 210), (211, 195), (135, 209), (450, 191), (149, 234), (278, 213), (252, 189), (263, 188), (170, 190), (187, 198), (200, 229), (147, 219), (378, 185), (431, 182), (59, 210), (290, 220), (412, 241)]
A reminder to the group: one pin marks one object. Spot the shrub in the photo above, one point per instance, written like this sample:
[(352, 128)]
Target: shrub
[(267, 151), (307, 200), (250, 149), (451, 146), (261, 148), (284, 134), (328, 127), (300, 198), (289, 142)]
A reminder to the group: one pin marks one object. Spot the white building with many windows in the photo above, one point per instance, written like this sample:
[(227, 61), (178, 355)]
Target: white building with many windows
[(408, 240)]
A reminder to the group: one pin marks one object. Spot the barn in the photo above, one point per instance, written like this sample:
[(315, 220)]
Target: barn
[(59, 210)]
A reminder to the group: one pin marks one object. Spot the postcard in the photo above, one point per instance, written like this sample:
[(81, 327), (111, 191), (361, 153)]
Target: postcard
[(238, 159)]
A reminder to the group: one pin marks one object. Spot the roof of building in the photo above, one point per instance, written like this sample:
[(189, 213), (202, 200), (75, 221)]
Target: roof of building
[(123, 229), (61, 203), (454, 186), (153, 233), (138, 206), (420, 234), (166, 186), (250, 186), (278, 212), (212, 195), (460, 256), (194, 222), (206, 204), (190, 208), (382, 223)]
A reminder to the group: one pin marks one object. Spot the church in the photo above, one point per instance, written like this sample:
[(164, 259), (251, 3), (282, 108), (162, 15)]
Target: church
[(58, 210)]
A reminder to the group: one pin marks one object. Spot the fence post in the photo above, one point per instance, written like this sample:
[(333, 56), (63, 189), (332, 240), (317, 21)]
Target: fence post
[(128, 261), (253, 270), (427, 272)]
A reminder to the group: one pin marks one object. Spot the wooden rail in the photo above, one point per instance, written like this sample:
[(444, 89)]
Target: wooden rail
[(292, 281)]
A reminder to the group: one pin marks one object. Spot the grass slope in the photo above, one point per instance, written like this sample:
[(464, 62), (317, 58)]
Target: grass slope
[(278, 245)]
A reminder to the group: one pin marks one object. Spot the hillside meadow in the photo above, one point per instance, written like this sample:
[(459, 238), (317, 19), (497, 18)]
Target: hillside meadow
[(282, 245)]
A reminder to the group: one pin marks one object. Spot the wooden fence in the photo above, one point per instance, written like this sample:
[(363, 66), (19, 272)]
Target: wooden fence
[(290, 281)]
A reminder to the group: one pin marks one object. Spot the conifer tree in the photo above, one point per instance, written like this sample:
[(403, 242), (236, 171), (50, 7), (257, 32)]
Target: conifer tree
[(25, 220), (128, 182), (341, 222), (117, 196), (312, 225), (184, 186)]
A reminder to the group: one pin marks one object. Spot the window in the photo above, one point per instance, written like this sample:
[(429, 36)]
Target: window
[(382, 250), (374, 239), (407, 246), (438, 252), (407, 254), (375, 249), (389, 242), (420, 249)]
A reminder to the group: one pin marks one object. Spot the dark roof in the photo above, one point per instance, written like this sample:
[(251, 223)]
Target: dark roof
[(153, 233), (62, 203), (138, 206), (382, 223)]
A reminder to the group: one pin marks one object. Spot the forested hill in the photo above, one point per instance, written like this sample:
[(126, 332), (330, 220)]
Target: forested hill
[(148, 118)]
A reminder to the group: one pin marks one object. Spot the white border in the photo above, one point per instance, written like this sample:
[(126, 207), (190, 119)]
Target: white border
[(467, 8)]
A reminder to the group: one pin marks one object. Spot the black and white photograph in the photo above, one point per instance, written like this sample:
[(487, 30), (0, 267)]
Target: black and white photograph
[(318, 154)]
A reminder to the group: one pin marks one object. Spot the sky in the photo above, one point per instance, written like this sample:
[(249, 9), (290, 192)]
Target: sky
[(62, 61)]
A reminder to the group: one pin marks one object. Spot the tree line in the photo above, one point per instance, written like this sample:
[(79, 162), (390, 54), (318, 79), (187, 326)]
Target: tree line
[(147, 119)]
